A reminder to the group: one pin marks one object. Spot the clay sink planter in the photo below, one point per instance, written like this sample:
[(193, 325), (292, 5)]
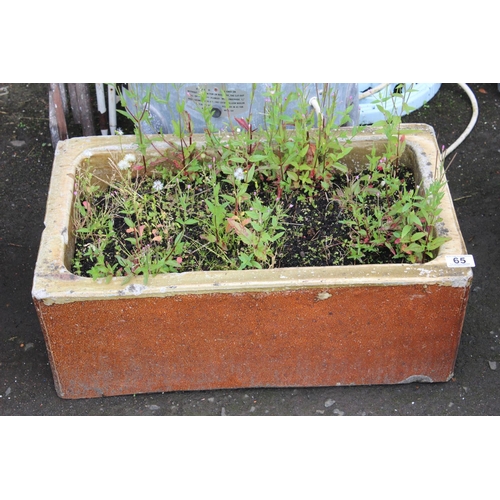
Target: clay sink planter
[(290, 327)]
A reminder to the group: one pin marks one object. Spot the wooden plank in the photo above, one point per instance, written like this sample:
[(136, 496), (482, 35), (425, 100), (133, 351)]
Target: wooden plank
[(73, 99), (64, 97), (84, 106), (54, 131), (57, 120)]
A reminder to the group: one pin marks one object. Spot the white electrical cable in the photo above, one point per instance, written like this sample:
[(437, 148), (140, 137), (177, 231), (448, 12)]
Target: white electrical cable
[(473, 120)]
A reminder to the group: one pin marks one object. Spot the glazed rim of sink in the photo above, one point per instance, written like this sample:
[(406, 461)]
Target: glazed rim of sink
[(54, 283)]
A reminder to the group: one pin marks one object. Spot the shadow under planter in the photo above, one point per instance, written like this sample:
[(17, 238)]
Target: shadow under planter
[(290, 327)]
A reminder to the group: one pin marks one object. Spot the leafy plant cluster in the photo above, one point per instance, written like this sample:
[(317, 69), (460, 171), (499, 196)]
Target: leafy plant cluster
[(227, 202), (383, 206)]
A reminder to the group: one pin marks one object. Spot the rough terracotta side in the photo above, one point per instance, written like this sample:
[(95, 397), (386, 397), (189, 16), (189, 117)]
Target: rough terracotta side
[(340, 336)]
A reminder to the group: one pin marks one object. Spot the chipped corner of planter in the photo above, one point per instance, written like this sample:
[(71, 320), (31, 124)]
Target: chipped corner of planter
[(339, 325)]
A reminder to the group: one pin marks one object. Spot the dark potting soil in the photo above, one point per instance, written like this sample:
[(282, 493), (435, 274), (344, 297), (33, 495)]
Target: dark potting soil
[(315, 235)]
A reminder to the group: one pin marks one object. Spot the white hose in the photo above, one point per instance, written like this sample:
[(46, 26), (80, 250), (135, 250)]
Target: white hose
[(473, 120)]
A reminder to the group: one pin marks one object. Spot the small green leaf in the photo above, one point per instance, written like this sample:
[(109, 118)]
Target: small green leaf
[(172, 263), (129, 222), (277, 236), (405, 231), (418, 236), (250, 174), (437, 242), (209, 237), (304, 151), (257, 157), (237, 159), (412, 218), (415, 248)]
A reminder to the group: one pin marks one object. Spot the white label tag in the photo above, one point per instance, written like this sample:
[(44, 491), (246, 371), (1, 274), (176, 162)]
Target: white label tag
[(460, 261)]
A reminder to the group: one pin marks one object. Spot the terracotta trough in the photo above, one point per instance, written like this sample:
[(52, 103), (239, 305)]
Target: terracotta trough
[(291, 327)]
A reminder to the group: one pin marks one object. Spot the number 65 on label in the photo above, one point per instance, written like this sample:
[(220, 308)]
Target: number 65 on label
[(460, 261)]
